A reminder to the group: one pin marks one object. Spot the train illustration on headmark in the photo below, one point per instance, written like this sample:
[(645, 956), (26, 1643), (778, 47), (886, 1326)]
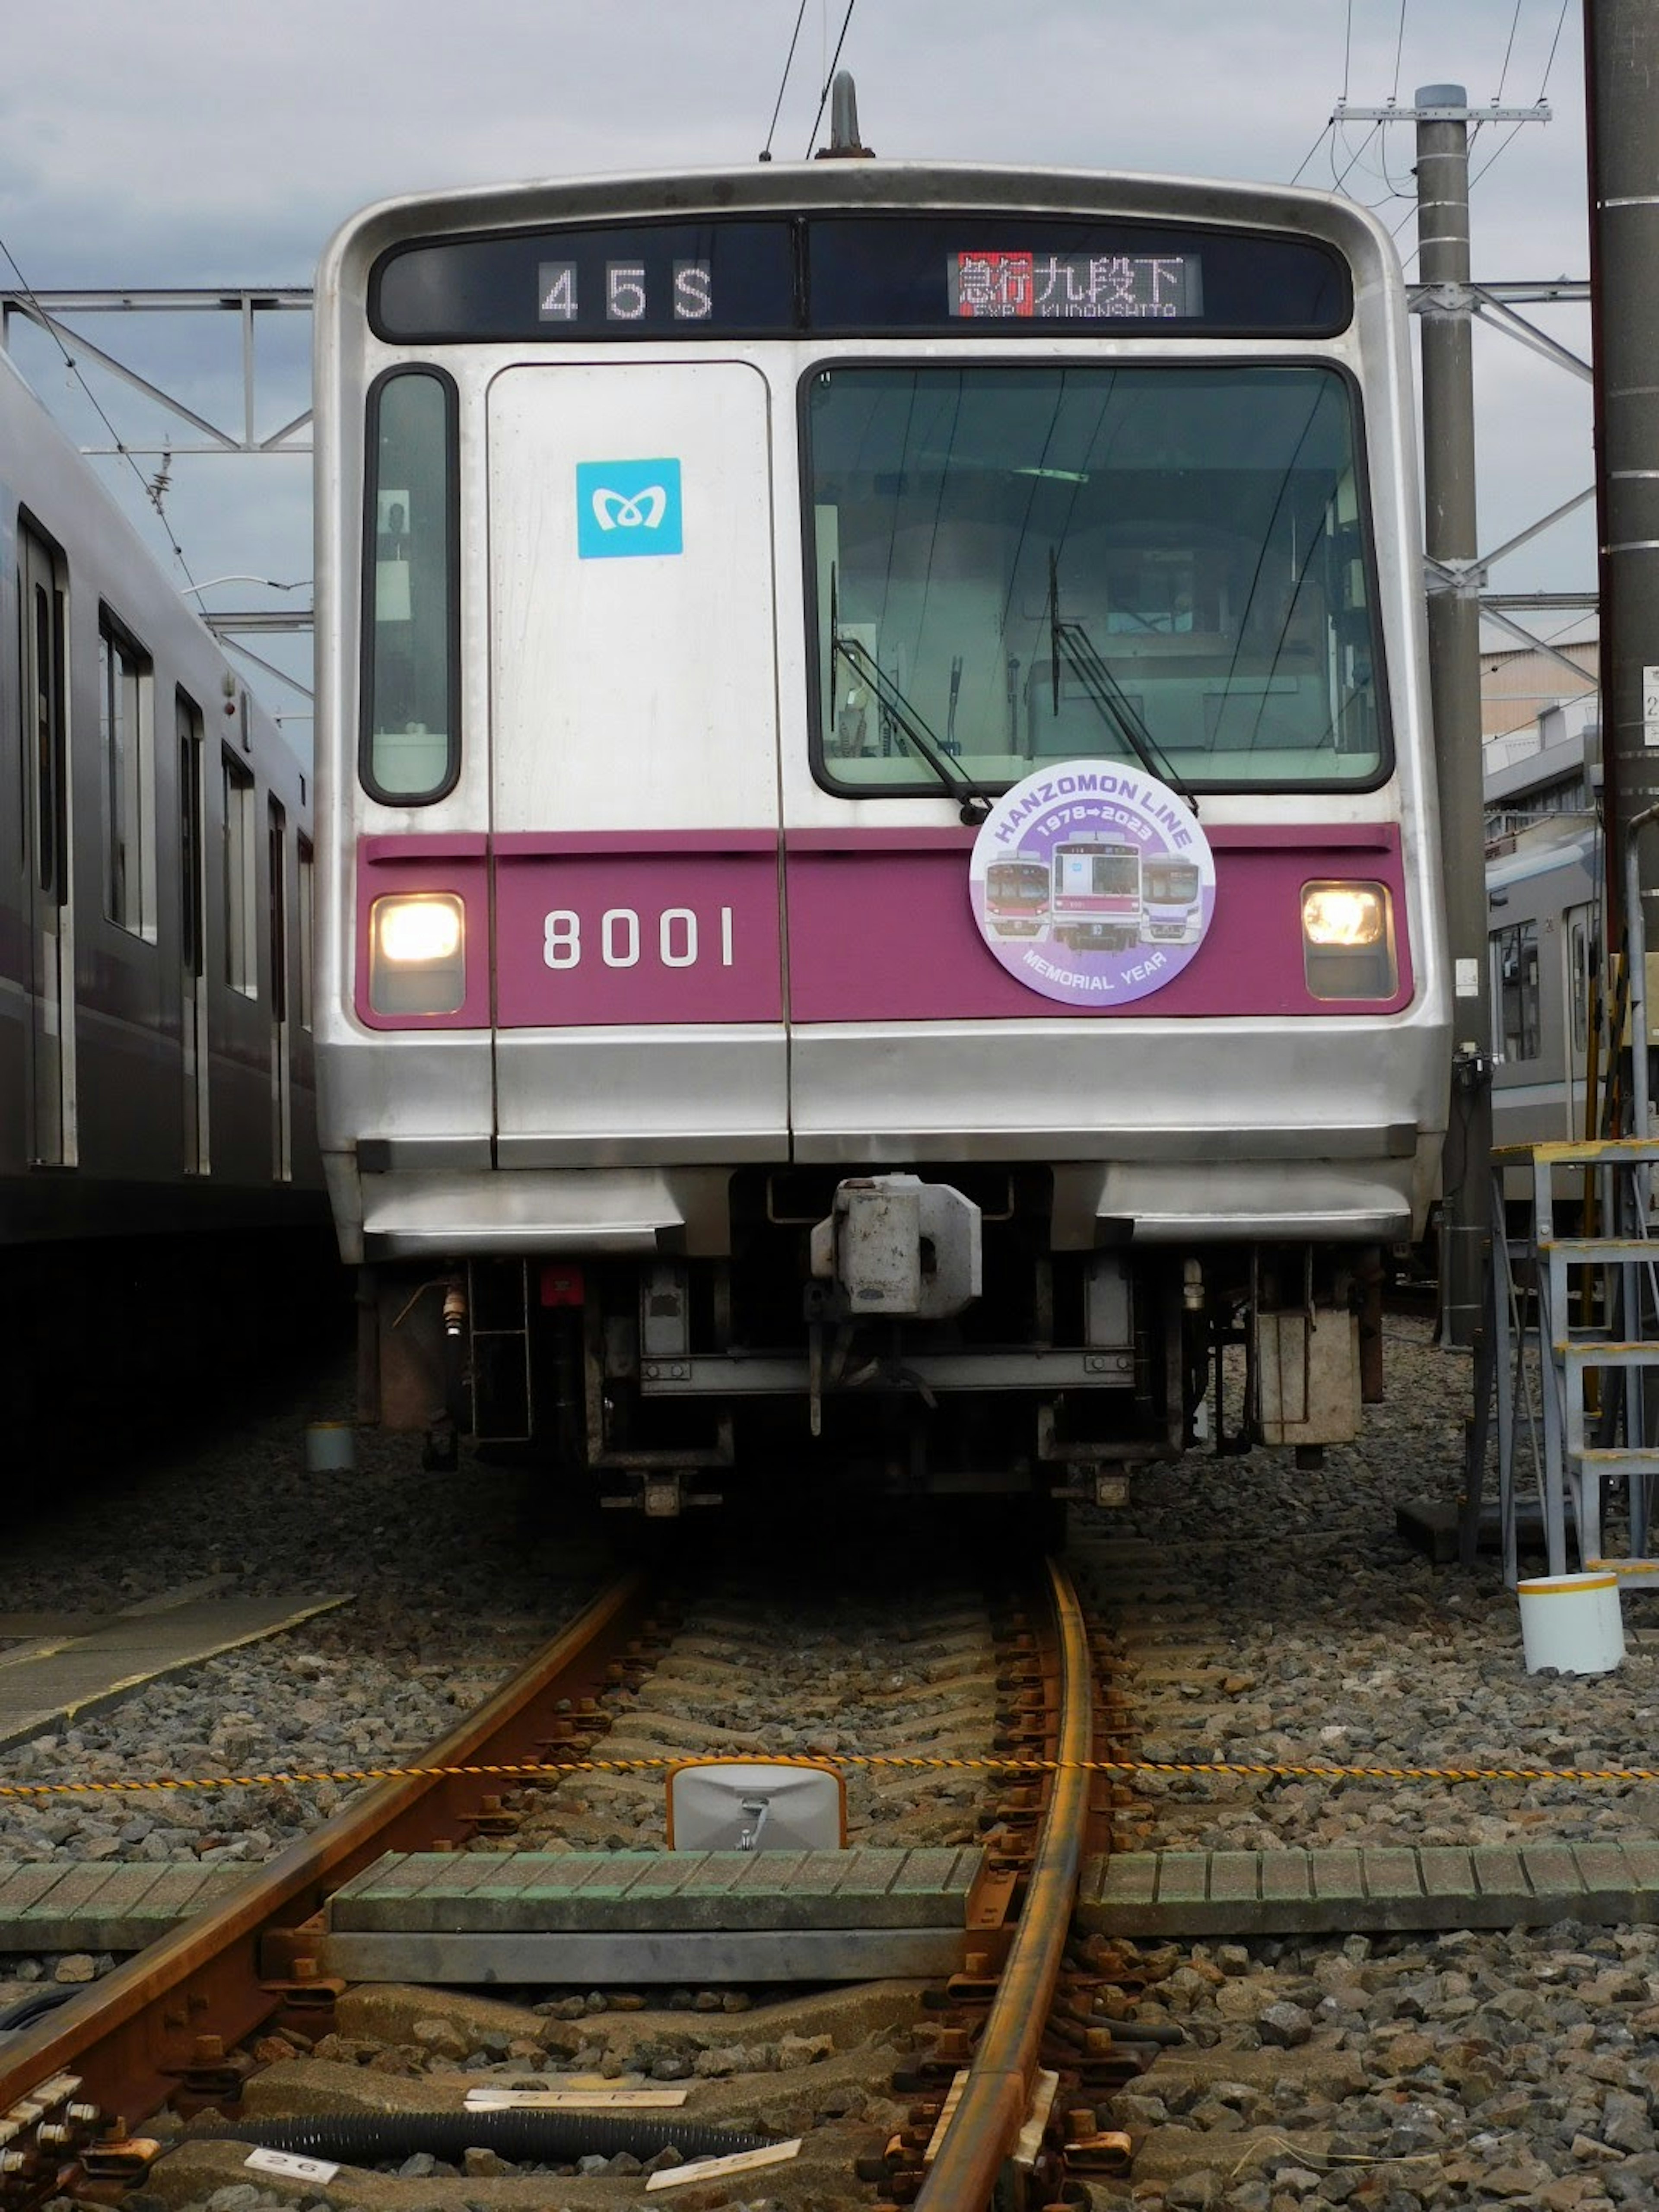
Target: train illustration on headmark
[(1105, 883)]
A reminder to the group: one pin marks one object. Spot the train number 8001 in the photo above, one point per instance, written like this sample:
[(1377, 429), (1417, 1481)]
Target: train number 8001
[(676, 936)]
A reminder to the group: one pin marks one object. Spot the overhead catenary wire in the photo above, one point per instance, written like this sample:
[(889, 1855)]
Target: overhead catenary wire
[(1339, 181), (1543, 86), (1329, 127), (788, 64), (152, 489), (1494, 156), (1560, 21), (1503, 74), (829, 77)]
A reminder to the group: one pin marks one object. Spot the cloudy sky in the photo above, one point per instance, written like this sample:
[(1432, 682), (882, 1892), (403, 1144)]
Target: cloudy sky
[(183, 143)]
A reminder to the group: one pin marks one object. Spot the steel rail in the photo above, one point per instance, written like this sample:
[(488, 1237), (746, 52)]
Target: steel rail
[(997, 2095), (132, 2036)]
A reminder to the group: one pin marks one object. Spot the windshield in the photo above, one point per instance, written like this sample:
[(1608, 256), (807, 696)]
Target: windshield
[(1017, 882), (988, 539), (1171, 879)]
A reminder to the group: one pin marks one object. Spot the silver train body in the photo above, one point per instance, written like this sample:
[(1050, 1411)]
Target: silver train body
[(1545, 930), (701, 562), (154, 939)]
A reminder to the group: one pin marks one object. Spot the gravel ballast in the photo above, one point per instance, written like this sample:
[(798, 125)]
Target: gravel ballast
[(1309, 1631), (1267, 1615)]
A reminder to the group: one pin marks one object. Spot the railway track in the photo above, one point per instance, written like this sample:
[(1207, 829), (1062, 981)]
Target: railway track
[(180, 2029)]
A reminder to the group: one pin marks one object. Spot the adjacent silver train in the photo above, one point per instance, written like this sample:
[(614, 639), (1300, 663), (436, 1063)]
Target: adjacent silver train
[(722, 579), (154, 944), (1544, 896)]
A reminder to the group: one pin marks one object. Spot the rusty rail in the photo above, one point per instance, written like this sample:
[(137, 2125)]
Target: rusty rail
[(1002, 2075), (132, 2037)]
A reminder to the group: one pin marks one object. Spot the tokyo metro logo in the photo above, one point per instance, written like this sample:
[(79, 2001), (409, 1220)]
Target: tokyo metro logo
[(628, 508)]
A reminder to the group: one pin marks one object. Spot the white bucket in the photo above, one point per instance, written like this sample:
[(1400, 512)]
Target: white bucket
[(1573, 1623), (330, 1447)]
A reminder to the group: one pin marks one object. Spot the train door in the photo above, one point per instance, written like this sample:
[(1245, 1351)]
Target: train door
[(192, 916), (281, 1072), (43, 661), (634, 765)]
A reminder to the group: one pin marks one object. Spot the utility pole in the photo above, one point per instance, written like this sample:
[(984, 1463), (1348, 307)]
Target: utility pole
[(1451, 544), (1448, 303), (1622, 76)]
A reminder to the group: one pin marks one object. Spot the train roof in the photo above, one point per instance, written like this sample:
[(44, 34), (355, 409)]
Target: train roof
[(42, 464), (1553, 842), (43, 471)]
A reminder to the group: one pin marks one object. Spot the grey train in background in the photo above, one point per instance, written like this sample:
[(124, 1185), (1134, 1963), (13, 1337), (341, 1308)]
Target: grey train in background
[(1546, 876), (155, 935), (702, 561)]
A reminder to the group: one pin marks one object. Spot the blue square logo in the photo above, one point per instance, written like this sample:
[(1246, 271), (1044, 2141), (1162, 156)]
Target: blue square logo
[(625, 509)]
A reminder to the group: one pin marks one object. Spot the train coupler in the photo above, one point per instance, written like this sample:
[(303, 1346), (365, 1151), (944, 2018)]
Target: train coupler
[(898, 1247), (660, 1496)]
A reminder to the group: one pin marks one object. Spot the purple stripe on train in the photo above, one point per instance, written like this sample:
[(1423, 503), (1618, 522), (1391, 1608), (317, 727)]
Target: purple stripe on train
[(665, 926)]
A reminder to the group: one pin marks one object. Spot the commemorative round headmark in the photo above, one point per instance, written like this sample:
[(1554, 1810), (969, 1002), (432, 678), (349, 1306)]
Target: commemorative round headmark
[(1092, 883)]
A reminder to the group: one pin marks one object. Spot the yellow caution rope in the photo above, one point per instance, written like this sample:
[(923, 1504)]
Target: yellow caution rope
[(1014, 1769)]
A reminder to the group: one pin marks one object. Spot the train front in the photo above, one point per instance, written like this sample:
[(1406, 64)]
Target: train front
[(880, 903)]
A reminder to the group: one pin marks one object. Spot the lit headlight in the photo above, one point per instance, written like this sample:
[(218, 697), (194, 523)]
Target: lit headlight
[(1345, 915), (1347, 941), (416, 954)]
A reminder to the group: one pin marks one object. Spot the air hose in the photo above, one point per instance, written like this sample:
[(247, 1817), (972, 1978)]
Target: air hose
[(526, 2138)]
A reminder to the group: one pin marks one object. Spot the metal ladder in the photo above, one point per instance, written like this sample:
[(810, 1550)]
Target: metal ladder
[(1610, 1350)]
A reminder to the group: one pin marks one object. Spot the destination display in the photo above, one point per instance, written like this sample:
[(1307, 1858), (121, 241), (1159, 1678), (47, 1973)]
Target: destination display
[(1100, 288), (876, 275)]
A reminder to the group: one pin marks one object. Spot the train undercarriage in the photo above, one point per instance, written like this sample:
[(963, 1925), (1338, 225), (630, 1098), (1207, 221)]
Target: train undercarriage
[(910, 1337)]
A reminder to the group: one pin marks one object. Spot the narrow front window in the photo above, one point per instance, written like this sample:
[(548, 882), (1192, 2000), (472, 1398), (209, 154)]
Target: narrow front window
[(1149, 563), (411, 739)]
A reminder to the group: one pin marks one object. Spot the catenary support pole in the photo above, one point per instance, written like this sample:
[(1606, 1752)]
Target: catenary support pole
[(1443, 205), (1622, 76)]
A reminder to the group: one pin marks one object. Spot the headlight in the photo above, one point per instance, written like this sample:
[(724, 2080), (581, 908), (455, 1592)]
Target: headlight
[(1346, 914), (1347, 941), (417, 954)]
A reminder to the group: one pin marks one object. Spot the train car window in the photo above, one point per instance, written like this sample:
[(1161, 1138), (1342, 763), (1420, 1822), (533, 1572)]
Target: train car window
[(282, 1103), (126, 719), (48, 914), (195, 998), (240, 876), (187, 717), (276, 908), (307, 892), (1516, 1004), (1065, 562), (43, 598), (411, 613)]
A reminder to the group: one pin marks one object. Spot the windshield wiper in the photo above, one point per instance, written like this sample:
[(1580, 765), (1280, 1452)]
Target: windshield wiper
[(974, 804), (1073, 643)]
